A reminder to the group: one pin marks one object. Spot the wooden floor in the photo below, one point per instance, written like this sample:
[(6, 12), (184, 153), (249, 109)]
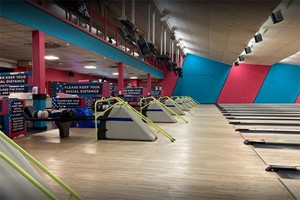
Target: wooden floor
[(208, 160)]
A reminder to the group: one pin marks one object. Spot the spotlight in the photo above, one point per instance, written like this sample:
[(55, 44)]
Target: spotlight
[(165, 18), (172, 36), (178, 71), (236, 63), (170, 66)]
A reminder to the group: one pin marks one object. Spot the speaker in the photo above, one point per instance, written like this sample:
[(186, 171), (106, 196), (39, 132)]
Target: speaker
[(258, 38), (172, 36), (144, 46), (163, 57), (70, 73), (124, 35), (169, 66), (276, 16), (248, 50), (241, 58)]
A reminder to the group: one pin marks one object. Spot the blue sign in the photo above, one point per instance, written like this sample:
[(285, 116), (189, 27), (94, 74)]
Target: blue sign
[(13, 78), (133, 91)]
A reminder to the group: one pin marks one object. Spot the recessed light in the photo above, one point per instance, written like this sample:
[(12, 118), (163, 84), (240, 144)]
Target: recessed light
[(90, 67), (115, 73), (51, 57), (133, 77)]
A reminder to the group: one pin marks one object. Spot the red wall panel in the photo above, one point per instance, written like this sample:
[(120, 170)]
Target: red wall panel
[(243, 83), (168, 83)]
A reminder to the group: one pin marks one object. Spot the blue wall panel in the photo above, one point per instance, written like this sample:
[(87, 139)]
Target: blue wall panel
[(29, 15), (202, 79), (281, 85)]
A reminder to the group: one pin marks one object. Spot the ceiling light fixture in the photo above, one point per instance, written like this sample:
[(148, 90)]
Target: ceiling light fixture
[(90, 67), (51, 57), (115, 73), (133, 77)]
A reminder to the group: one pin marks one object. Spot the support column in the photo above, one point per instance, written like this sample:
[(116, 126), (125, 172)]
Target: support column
[(121, 78), (91, 18), (162, 40), (149, 84), (133, 11), (165, 41), (153, 26), (38, 74), (149, 23)]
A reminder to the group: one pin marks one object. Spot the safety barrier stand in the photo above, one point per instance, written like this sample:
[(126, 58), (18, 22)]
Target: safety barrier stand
[(72, 193), (125, 104), (179, 97), (163, 105)]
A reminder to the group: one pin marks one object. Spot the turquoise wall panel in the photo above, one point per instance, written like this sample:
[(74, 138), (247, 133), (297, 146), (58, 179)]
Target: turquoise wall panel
[(282, 84), (202, 79)]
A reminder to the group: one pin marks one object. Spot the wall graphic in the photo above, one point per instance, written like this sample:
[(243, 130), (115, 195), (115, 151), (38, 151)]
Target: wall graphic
[(243, 83), (202, 79), (298, 99), (282, 85), (209, 81)]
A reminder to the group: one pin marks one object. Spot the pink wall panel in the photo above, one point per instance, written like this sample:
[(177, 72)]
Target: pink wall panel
[(298, 99), (62, 76), (55, 75), (168, 83), (243, 83)]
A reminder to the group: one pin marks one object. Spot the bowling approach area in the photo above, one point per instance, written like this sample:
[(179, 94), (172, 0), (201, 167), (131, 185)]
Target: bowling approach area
[(208, 160)]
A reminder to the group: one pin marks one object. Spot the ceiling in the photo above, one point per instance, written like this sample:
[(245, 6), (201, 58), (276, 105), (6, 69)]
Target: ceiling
[(15, 45), (218, 30)]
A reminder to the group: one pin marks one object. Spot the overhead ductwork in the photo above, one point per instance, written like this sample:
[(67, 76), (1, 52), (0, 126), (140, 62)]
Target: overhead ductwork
[(7, 63)]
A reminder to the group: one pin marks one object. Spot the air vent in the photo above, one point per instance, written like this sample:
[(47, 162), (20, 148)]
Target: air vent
[(89, 61), (113, 66), (51, 45), (48, 45), (25, 63)]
